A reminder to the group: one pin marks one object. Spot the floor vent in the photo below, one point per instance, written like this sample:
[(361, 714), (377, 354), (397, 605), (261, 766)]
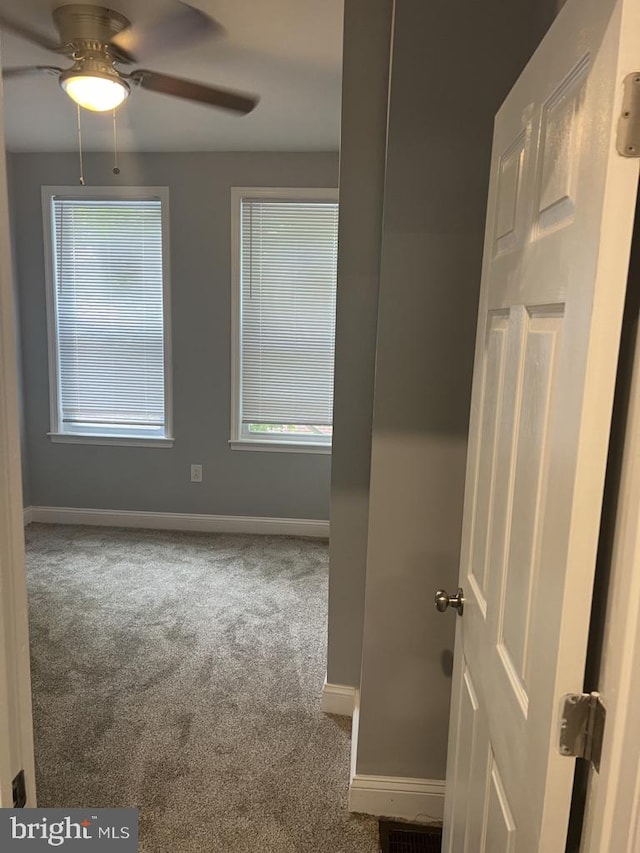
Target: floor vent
[(409, 838)]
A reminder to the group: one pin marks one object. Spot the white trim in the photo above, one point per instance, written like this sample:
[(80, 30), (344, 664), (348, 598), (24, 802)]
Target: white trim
[(27, 515), (236, 337), (279, 446), (355, 725), (182, 521), (237, 194), (416, 800), (338, 699), (115, 440), (612, 811), (16, 732), (401, 798), (161, 193)]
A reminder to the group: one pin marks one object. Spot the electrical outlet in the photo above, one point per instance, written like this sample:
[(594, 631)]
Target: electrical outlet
[(196, 473)]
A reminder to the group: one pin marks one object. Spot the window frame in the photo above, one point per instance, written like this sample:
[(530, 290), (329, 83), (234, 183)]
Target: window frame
[(240, 440), (111, 436)]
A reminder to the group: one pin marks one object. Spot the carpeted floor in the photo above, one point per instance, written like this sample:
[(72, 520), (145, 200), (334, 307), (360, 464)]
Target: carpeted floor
[(181, 673)]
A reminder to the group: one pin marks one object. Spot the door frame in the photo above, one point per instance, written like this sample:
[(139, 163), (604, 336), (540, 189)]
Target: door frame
[(16, 730), (611, 818)]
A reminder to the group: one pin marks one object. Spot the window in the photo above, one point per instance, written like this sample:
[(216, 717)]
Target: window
[(285, 258), (108, 311)]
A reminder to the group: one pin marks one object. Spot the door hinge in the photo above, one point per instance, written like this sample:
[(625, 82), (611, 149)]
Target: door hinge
[(19, 791), (628, 141), (582, 727)]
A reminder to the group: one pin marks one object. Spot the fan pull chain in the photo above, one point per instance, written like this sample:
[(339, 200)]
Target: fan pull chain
[(80, 148), (116, 170)]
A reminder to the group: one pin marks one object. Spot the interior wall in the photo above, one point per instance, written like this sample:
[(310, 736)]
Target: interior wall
[(365, 83), (285, 485), (450, 72), (26, 495), (544, 12), (365, 93)]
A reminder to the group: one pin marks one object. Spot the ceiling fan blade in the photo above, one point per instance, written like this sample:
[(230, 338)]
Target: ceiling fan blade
[(182, 27), (27, 70), (27, 33), (192, 91)]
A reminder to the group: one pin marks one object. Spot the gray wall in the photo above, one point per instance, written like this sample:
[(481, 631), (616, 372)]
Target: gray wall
[(289, 485), (452, 66), (365, 81), (26, 496)]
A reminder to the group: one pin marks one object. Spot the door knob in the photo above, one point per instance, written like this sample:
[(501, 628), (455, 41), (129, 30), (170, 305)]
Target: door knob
[(444, 600)]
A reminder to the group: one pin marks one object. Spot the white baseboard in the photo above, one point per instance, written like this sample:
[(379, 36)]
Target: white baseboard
[(415, 800), (355, 724), (28, 515), (338, 699), (179, 521)]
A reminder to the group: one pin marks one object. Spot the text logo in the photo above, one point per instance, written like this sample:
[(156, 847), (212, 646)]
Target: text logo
[(29, 830)]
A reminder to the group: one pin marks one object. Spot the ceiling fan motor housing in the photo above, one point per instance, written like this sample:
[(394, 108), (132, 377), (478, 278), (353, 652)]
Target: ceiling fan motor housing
[(94, 66), (86, 31)]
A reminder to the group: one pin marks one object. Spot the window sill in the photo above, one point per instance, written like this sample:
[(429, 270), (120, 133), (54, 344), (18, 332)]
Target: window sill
[(279, 446), (114, 440)]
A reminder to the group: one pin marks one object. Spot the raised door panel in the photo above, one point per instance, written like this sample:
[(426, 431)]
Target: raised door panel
[(500, 836), (467, 736), (560, 139), (508, 214), (493, 374), (527, 476)]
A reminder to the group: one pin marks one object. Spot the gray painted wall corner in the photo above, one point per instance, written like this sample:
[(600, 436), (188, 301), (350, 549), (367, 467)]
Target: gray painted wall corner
[(365, 81)]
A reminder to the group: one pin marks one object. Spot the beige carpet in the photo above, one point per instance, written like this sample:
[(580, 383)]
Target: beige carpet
[(181, 673)]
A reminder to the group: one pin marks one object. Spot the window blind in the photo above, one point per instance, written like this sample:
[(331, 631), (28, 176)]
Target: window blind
[(288, 306), (108, 277)]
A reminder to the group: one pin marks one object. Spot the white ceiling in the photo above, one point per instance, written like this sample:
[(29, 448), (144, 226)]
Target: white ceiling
[(287, 51)]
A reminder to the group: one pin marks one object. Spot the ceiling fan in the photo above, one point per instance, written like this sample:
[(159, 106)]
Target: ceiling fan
[(98, 39)]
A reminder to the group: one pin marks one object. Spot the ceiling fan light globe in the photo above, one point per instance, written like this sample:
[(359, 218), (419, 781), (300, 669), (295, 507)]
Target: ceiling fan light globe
[(95, 92)]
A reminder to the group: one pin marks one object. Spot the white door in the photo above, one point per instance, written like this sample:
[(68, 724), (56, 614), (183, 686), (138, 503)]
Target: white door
[(559, 224), (16, 738)]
